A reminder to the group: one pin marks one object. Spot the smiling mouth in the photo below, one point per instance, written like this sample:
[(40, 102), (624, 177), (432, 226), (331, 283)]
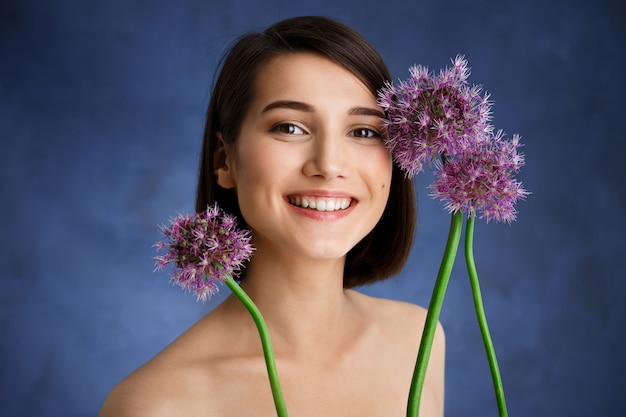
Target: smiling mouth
[(320, 203)]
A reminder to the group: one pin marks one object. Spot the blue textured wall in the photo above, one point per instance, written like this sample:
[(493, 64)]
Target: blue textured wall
[(101, 112)]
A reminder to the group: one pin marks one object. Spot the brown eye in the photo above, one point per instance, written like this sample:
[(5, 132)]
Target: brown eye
[(365, 133), (288, 129)]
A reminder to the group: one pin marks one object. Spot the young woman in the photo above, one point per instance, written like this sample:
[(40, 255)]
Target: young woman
[(294, 147)]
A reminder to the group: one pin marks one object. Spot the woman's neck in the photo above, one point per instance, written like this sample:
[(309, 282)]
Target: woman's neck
[(303, 302)]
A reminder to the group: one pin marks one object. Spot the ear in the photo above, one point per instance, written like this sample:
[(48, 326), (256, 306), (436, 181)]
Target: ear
[(222, 161)]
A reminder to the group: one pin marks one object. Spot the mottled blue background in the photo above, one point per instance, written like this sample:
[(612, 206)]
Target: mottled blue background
[(101, 114)]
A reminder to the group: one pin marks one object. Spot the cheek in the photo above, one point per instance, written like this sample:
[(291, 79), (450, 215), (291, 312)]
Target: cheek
[(384, 166), (253, 164), (378, 169), (260, 169)]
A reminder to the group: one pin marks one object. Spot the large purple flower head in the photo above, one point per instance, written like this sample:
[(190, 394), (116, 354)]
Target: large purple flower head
[(441, 120), (204, 249), (430, 114)]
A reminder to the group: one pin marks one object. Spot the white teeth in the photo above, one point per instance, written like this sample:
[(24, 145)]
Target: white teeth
[(320, 204)]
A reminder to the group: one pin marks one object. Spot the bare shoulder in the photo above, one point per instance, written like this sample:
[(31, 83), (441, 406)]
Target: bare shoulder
[(143, 393), (400, 319), (170, 383), (398, 313), (402, 324)]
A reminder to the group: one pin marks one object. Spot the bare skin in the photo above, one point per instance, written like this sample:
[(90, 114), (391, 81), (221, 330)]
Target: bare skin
[(339, 353), (362, 368)]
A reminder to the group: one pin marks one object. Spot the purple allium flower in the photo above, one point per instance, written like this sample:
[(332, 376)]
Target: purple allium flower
[(440, 115), (480, 181), (431, 114), (204, 249)]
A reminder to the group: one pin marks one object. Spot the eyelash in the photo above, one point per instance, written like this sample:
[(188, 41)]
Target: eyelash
[(288, 129)]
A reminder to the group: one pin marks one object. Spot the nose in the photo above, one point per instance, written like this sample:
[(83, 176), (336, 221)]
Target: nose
[(327, 158)]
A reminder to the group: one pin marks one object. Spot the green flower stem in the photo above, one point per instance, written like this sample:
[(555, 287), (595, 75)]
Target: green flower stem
[(268, 351), (434, 309), (482, 320)]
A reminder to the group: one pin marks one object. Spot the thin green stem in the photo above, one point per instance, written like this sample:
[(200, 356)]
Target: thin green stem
[(432, 318), (268, 351), (482, 320)]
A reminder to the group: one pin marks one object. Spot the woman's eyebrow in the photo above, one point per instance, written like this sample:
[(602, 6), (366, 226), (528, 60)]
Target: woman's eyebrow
[(366, 111), (288, 104), (300, 106)]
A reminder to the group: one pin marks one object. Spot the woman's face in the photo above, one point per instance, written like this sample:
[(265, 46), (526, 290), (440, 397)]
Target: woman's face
[(310, 168)]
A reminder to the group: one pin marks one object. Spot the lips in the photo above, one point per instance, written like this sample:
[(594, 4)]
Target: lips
[(320, 203)]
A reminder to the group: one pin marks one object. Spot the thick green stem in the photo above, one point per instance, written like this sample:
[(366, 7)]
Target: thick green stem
[(432, 318), (266, 342), (482, 320)]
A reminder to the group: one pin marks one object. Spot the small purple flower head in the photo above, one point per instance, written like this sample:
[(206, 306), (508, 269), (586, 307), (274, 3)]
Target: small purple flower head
[(480, 181), (431, 116), (204, 249)]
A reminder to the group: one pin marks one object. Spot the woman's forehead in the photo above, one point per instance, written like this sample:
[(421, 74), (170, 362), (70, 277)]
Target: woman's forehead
[(311, 79)]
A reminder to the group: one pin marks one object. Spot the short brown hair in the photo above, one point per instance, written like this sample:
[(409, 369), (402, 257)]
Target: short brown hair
[(383, 252)]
